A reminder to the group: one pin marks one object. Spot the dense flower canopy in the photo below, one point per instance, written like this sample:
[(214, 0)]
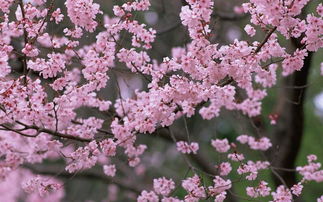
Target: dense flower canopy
[(38, 114)]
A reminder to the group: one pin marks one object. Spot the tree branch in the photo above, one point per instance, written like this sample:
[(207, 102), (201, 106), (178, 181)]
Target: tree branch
[(290, 127), (53, 133), (24, 58), (91, 175)]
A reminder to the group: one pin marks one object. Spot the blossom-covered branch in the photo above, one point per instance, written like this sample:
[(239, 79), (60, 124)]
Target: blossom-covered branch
[(64, 75)]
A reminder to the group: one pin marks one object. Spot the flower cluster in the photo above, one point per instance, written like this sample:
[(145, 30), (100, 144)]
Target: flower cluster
[(5, 5), (40, 184), (163, 186), (224, 168), (83, 158), (193, 186), (260, 144), (83, 13), (252, 168), (187, 148), (261, 190), (311, 172), (221, 146)]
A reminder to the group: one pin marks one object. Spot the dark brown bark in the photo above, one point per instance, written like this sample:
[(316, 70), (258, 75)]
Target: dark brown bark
[(290, 127)]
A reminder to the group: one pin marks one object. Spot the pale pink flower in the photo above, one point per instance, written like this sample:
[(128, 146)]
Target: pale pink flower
[(221, 146), (297, 189), (110, 170), (30, 50), (220, 186), (187, 148), (148, 197), (250, 30), (261, 190), (192, 186), (255, 144), (57, 15), (224, 168), (163, 186), (282, 194), (236, 157)]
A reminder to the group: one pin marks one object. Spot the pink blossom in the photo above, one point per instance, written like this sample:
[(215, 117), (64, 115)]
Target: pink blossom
[(192, 186), (221, 146), (171, 199), (220, 186), (243, 139), (297, 189), (50, 68), (261, 190), (294, 62), (30, 50), (65, 74), (118, 11), (83, 157), (187, 148), (311, 171), (57, 16), (147, 197), (238, 9), (83, 13), (4, 66), (163, 186), (220, 197), (236, 157), (282, 194), (273, 118), (41, 185), (252, 169), (76, 33), (224, 168), (311, 158), (110, 170), (260, 144), (314, 28), (319, 9), (250, 30), (5, 5), (108, 147)]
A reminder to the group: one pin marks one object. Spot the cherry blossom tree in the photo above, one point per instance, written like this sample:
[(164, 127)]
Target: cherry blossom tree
[(52, 75)]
